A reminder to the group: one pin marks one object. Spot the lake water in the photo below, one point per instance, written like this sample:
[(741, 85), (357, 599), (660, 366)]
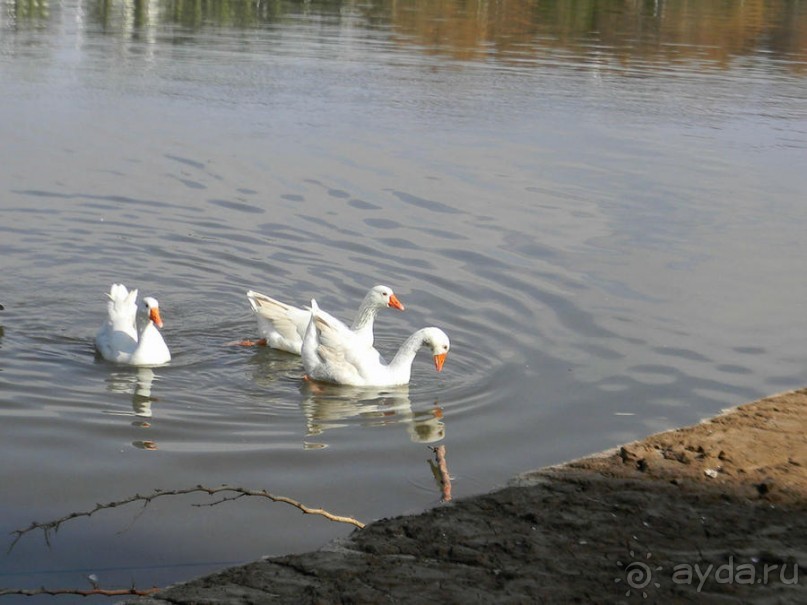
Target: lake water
[(602, 204)]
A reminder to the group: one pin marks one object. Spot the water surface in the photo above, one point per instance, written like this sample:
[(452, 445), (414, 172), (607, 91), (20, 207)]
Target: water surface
[(602, 205)]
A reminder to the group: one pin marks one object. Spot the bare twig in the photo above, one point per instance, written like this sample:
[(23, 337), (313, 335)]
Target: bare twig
[(115, 592), (53, 526), (440, 470)]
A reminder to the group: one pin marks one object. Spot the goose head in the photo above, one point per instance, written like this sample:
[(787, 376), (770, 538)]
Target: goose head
[(383, 296), (151, 308), (438, 341)]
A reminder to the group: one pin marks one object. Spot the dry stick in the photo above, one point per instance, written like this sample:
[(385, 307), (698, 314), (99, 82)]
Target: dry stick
[(442, 469), (117, 592), (50, 526)]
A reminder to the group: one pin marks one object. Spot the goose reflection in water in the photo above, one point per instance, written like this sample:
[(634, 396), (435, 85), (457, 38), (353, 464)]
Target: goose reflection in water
[(332, 406), (138, 383), (269, 366)]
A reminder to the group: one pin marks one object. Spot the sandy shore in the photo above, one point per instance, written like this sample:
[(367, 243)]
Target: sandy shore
[(712, 513)]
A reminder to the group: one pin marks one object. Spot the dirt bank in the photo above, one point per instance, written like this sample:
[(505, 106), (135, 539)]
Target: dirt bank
[(713, 513)]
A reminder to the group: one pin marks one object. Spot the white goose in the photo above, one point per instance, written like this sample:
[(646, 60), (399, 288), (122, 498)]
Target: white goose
[(119, 338), (283, 326), (332, 354)]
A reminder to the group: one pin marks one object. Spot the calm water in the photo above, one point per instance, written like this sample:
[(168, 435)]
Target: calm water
[(601, 203)]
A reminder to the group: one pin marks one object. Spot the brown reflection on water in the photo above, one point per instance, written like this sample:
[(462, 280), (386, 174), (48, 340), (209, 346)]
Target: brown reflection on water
[(706, 30), (627, 32)]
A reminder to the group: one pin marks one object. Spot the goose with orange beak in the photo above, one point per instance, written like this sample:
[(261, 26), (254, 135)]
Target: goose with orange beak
[(130, 335), (330, 354), (283, 326)]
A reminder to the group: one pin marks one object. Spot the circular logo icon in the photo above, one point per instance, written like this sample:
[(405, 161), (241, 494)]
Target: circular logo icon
[(638, 575)]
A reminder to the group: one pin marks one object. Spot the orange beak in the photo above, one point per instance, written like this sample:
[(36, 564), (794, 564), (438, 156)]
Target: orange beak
[(154, 315), (439, 360), (395, 303)]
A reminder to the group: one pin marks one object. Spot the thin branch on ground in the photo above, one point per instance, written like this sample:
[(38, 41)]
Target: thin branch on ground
[(115, 592), (49, 527)]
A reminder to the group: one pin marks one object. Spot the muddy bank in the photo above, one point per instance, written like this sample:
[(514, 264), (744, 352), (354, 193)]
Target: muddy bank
[(712, 513)]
